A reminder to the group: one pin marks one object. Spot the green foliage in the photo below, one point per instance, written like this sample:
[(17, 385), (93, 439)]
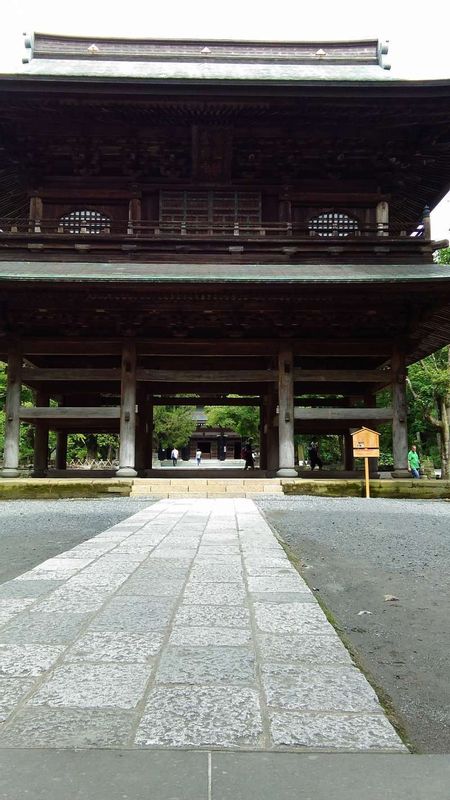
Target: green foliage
[(429, 388), (443, 256), (173, 425), (244, 420), (330, 447)]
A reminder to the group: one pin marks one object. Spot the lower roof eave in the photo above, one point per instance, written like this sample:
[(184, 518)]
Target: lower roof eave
[(131, 273)]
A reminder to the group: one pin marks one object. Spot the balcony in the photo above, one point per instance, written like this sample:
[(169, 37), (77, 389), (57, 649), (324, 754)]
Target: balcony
[(196, 242)]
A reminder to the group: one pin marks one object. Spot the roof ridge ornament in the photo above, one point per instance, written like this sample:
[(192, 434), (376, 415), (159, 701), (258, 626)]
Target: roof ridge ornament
[(93, 50)]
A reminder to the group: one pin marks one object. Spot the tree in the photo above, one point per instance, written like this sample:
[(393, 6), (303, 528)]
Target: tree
[(429, 384), (242, 419), (173, 425)]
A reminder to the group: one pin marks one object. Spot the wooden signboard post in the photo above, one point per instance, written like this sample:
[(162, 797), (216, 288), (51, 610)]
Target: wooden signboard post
[(366, 444)]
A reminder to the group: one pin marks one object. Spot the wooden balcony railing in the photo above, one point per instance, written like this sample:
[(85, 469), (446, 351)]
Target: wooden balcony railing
[(18, 227)]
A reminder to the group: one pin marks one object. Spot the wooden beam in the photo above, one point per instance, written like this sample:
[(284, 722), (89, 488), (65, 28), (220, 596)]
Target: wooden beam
[(69, 412), (207, 376), (31, 374), (343, 375), (347, 414), (206, 347)]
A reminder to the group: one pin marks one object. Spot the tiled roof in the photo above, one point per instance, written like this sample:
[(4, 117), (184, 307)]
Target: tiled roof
[(203, 60), (86, 272)]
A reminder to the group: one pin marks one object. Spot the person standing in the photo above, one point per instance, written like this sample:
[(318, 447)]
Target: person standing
[(198, 456), (313, 455), (413, 462), (247, 453), (174, 456)]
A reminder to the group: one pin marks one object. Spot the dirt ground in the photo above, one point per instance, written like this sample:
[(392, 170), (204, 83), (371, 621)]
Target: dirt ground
[(353, 552)]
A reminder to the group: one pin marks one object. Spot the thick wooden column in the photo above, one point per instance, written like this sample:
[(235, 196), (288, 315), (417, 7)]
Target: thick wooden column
[(349, 462), (371, 402), (12, 419), (263, 433), (40, 457), (144, 431), (61, 450), (399, 419), (127, 412), (272, 430), (149, 431), (286, 452), (140, 430)]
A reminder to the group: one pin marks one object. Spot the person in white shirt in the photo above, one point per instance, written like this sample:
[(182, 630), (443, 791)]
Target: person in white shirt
[(174, 456), (198, 456)]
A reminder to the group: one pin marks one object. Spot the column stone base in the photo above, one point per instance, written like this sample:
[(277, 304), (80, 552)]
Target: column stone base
[(287, 472), (9, 472), (126, 472), (401, 473)]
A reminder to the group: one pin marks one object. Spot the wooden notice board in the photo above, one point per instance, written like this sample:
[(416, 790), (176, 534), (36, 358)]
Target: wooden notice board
[(366, 443)]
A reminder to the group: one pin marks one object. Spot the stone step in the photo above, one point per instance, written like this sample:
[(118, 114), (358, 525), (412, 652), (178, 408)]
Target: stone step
[(205, 487)]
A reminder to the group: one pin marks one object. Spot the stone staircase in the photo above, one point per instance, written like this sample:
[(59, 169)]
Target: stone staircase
[(204, 487)]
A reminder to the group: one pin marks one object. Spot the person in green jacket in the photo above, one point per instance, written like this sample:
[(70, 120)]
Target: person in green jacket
[(413, 462)]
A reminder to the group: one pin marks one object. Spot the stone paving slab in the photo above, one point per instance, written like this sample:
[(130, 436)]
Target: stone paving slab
[(116, 774), (183, 626)]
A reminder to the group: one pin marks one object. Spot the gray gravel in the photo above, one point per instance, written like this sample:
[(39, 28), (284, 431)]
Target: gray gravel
[(354, 552), (33, 530)]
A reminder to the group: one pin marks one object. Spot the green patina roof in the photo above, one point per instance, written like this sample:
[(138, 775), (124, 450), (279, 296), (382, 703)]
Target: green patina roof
[(86, 272)]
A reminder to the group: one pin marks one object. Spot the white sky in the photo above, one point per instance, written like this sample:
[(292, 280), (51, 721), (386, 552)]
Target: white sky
[(418, 30)]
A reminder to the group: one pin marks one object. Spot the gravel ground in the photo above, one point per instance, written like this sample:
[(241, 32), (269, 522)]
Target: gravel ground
[(355, 551), (33, 530)]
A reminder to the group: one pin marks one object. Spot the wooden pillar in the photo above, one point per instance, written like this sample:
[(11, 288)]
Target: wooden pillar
[(149, 431), (371, 402), (144, 431), (134, 215), (12, 410), (286, 460), (426, 222), (40, 457), (126, 467), (263, 433), (382, 213), (399, 419), (349, 462), (35, 214), (61, 450), (272, 430)]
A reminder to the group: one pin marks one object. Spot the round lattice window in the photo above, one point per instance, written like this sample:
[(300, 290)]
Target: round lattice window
[(333, 223), (85, 221)]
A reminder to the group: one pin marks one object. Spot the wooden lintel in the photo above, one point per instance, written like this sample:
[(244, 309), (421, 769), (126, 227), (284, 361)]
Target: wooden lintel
[(72, 346), (33, 375), (69, 412), (207, 376), (202, 347), (350, 414), (343, 375)]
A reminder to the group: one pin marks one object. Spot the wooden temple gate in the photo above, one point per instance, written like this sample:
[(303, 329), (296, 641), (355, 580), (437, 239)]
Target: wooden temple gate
[(216, 218)]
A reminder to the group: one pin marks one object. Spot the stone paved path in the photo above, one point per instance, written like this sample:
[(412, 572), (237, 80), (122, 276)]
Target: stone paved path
[(183, 626)]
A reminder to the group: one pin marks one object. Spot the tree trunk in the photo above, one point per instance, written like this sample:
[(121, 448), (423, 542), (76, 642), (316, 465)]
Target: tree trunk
[(445, 437), (91, 447)]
